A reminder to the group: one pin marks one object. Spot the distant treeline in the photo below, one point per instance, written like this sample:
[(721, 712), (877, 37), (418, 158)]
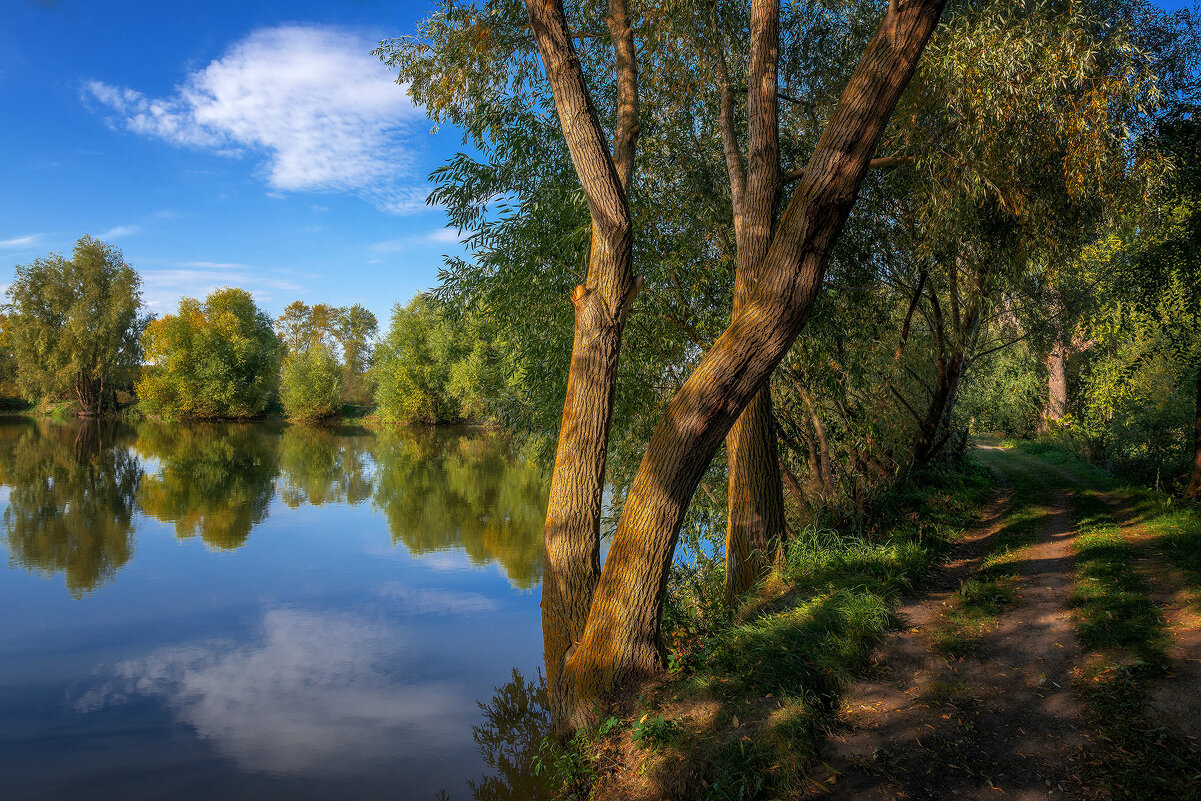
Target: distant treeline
[(76, 330)]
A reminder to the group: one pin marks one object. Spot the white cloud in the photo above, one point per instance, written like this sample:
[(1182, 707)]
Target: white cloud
[(19, 242), (324, 112), (121, 231), (320, 692), (163, 284), (439, 236)]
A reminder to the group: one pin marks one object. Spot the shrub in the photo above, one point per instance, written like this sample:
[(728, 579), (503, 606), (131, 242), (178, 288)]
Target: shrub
[(311, 385), (211, 360)]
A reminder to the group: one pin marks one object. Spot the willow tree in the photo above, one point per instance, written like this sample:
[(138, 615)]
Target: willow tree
[(75, 325), (601, 628), (616, 638)]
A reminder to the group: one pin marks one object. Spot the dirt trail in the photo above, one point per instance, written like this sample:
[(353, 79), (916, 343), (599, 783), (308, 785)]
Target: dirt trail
[(1001, 724)]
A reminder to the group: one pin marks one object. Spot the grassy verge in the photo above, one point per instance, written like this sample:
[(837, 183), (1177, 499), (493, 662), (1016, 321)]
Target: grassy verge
[(742, 714), (993, 587), (1122, 631)]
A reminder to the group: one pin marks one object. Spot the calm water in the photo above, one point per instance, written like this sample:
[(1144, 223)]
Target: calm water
[(250, 611)]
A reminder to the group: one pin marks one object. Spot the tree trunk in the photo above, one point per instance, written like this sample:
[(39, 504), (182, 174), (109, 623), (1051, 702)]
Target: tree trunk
[(756, 496), (1057, 384), (1194, 485), (571, 562), (755, 522), (620, 642)]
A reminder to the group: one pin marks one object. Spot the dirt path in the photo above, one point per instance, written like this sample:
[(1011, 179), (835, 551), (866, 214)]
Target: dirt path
[(1001, 724)]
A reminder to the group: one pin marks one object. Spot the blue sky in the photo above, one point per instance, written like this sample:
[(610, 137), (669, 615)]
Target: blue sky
[(254, 144)]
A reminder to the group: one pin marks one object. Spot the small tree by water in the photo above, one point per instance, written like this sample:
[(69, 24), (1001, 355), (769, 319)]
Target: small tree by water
[(211, 360), (311, 385)]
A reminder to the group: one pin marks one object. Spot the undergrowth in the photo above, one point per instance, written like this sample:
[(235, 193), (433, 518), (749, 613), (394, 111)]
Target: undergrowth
[(1122, 630), (752, 690)]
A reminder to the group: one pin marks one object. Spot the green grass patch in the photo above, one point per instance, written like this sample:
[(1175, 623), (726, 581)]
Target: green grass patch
[(753, 690), (1113, 607), (1122, 631), (983, 598)]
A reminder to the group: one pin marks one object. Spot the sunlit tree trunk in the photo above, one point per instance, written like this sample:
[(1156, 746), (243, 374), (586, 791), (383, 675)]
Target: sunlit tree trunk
[(621, 642), (571, 562), (755, 522), (1057, 384)]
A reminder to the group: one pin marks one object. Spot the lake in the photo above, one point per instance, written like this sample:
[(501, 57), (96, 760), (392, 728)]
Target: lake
[(258, 611)]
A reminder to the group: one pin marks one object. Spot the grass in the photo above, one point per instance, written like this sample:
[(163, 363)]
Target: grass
[(993, 587), (1122, 630), (745, 712)]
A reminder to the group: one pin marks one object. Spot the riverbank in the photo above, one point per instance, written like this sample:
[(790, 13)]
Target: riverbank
[(1030, 624)]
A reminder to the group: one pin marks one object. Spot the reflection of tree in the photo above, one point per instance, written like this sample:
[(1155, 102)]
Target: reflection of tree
[(213, 480), (71, 498), (320, 466), (515, 722), (442, 490)]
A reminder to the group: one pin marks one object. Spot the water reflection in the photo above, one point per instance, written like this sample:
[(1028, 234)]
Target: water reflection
[(442, 491), (313, 665), (515, 721), (70, 499), (74, 488), (317, 692), (215, 481), (321, 466)]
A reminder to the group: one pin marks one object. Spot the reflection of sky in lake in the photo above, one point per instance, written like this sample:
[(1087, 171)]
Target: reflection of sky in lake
[(315, 692), (326, 655)]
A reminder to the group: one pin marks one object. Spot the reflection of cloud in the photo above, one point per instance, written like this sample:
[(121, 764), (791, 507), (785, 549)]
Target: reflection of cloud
[(324, 112), (427, 601), (319, 693)]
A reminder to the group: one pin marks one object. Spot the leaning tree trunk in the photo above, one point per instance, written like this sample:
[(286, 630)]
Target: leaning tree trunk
[(755, 523), (1193, 490), (571, 562), (621, 642)]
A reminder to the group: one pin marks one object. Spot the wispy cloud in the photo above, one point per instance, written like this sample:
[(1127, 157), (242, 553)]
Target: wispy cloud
[(163, 284), (440, 236), (18, 242), (323, 113), (121, 231)]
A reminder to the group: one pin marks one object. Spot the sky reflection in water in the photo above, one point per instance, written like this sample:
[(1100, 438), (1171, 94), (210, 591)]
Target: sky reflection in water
[(258, 611)]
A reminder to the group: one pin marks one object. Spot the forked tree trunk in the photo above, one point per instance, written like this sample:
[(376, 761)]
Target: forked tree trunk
[(1193, 490), (621, 638), (755, 523), (571, 562)]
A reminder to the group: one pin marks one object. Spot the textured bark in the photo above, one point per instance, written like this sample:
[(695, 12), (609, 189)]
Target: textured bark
[(1057, 367), (755, 522), (571, 563), (621, 639), (1193, 490), (1057, 383), (934, 426)]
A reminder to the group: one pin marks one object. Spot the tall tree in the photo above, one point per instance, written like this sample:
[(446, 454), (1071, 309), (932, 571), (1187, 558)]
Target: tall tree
[(75, 325), (619, 641)]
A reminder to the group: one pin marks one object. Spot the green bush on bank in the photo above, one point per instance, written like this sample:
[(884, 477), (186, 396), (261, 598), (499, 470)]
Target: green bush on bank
[(435, 367), (211, 360), (311, 384)]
